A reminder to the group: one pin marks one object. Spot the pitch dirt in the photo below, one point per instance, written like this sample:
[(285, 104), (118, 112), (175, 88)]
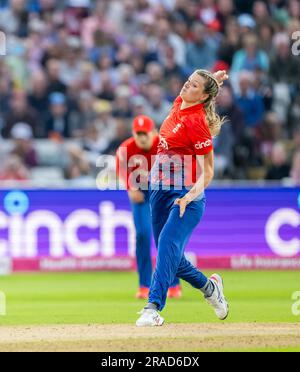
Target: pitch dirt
[(171, 337)]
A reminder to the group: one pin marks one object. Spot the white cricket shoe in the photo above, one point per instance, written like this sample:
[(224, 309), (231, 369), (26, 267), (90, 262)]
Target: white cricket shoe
[(218, 300), (149, 318)]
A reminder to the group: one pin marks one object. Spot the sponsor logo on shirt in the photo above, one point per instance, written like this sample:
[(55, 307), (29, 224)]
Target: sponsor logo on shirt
[(163, 143), (176, 129), (201, 145)]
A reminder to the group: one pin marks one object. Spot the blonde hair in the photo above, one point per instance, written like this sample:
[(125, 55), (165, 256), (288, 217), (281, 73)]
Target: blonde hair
[(211, 87)]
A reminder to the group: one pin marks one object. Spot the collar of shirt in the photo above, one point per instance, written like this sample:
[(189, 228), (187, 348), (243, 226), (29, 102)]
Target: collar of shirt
[(189, 110)]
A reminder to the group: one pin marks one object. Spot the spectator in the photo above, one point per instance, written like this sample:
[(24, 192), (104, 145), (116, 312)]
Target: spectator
[(230, 43), (105, 123), (295, 115), (105, 89), (265, 36), (201, 52), (223, 145), (58, 123), (55, 83), (21, 111), (98, 20), (249, 101), (225, 9), (271, 132), (14, 170), (250, 58), (246, 23), (155, 73), (260, 12), (38, 97), (123, 131), (83, 69), (14, 19), (92, 143), (170, 65), (72, 65), (174, 87), (284, 68), (279, 168), (122, 107), (296, 139), (139, 106), (4, 98), (78, 167), (228, 108), (165, 36), (295, 171), (158, 107), (83, 114), (23, 147)]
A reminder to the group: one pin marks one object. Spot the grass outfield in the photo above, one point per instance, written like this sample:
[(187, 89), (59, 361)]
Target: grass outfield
[(108, 298)]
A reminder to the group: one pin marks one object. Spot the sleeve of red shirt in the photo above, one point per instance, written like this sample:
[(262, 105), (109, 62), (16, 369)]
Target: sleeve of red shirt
[(122, 165), (199, 134)]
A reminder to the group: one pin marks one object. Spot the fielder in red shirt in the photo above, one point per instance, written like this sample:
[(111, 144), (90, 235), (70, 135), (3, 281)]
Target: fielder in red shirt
[(183, 169), (135, 157)]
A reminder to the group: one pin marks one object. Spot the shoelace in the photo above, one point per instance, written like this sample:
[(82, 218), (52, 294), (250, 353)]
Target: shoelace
[(218, 299)]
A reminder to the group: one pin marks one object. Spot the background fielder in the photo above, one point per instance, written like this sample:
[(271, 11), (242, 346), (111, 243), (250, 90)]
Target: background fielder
[(144, 143)]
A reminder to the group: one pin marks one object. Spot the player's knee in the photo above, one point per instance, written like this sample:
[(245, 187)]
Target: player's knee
[(168, 244)]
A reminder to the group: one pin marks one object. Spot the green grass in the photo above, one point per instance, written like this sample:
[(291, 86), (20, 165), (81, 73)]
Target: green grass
[(83, 298)]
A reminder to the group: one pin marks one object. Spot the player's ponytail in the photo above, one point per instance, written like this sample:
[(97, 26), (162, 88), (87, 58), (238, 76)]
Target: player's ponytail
[(212, 87)]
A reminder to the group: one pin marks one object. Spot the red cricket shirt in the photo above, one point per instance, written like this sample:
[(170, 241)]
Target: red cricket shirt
[(184, 134), (131, 158)]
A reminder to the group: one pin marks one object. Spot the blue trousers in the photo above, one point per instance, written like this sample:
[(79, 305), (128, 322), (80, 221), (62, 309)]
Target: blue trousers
[(172, 234), (142, 221)]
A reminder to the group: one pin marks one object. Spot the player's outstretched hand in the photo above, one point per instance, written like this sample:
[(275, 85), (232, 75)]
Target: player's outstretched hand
[(221, 76), (182, 205)]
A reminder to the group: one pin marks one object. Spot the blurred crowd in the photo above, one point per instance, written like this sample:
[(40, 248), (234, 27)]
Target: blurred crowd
[(76, 72)]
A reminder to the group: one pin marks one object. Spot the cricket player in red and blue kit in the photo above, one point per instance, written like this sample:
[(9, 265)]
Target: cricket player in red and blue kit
[(182, 171), (137, 153)]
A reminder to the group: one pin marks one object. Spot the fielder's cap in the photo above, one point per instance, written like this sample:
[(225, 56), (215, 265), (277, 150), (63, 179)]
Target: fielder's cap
[(143, 124)]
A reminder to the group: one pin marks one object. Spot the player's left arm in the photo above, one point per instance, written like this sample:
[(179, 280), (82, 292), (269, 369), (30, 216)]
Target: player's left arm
[(207, 164)]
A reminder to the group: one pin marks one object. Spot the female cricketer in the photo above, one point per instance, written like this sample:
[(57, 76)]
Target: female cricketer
[(187, 134), (135, 152)]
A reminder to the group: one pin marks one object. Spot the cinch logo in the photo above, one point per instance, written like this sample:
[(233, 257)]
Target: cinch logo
[(20, 230), (280, 218), (200, 145)]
